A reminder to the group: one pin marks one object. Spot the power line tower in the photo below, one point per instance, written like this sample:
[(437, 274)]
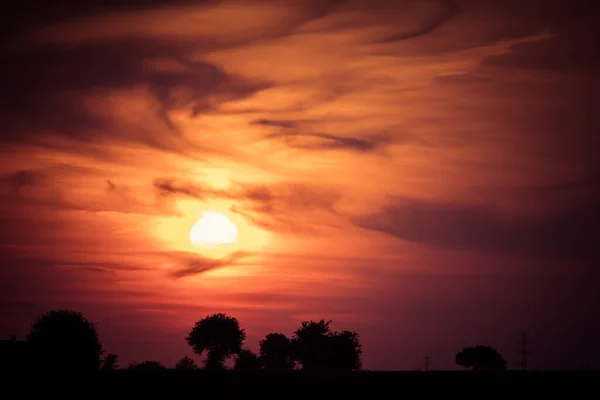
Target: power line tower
[(427, 362), (524, 350)]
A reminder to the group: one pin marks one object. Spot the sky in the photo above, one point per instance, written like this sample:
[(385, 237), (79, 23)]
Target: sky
[(423, 172)]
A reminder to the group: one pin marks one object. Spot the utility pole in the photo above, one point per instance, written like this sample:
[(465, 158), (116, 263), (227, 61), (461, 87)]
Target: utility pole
[(427, 362), (524, 351)]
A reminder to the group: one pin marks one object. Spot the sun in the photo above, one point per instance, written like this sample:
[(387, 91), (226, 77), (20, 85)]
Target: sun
[(212, 230)]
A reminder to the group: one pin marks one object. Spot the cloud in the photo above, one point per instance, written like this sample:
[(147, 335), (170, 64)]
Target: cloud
[(20, 16), (23, 178), (296, 134), (281, 207), (436, 13), (102, 267), (322, 141), (53, 187), (170, 186), (71, 91), (589, 185), (201, 21), (278, 124), (570, 47), (569, 235), (287, 207), (193, 264), (29, 271)]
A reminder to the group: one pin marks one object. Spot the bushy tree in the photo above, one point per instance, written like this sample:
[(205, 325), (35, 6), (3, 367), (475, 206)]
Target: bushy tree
[(310, 344), (220, 336), (276, 352), (316, 347), (481, 358), (65, 340), (345, 351), (246, 360)]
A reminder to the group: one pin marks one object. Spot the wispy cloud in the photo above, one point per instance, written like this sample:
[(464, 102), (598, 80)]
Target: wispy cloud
[(290, 207), (436, 13), (51, 188), (81, 82), (193, 264), (169, 187), (298, 134)]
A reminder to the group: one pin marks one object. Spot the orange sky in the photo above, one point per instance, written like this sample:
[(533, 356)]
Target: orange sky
[(424, 172)]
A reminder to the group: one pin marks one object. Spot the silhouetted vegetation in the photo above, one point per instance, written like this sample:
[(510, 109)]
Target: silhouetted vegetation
[(345, 351), (220, 336), (310, 344), (65, 340), (276, 352), (316, 347), (246, 360), (186, 363), (147, 366), (481, 358), (110, 362)]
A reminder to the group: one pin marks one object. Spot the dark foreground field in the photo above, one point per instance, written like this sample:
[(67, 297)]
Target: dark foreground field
[(369, 385)]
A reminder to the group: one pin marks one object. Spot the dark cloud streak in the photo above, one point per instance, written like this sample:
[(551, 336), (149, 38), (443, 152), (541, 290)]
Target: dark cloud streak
[(572, 47), (169, 187), (450, 9), (196, 265), (19, 16), (297, 136), (23, 178), (573, 234)]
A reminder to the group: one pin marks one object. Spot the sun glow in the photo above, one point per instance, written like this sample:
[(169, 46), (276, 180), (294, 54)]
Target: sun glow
[(185, 233), (213, 229)]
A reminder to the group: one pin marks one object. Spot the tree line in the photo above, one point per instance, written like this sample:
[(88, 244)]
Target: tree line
[(65, 340)]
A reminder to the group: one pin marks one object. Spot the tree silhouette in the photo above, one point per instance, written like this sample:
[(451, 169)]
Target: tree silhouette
[(310, 344), (146, 366), (110, 362), (186, 363), (481, 358), (316, 347), (344, 351), (246, 360), (276, 352), (65, 340), (220, 336)]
